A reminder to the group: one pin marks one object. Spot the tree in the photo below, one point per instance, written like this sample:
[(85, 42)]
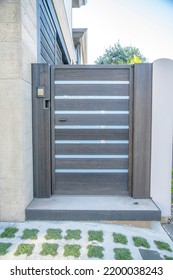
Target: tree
[(121, 55)]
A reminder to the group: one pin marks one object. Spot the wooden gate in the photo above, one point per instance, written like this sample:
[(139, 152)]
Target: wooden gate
[(90, 129)]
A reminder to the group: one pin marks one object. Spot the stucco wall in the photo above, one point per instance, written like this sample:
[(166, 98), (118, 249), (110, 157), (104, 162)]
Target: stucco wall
[(18, 49), (162, 129)]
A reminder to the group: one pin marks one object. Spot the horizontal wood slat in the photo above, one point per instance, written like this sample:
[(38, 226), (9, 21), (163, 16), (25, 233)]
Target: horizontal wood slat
[(91, 134), (91, 149), (95, 184), (46, 18), (91, 163), (92, 119), (45, 55), (119, 105), (92, 90), (45, 26), (49, 46), (91, 74)]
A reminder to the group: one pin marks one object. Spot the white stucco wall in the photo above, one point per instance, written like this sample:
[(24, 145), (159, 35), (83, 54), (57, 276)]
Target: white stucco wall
[(162, 131)]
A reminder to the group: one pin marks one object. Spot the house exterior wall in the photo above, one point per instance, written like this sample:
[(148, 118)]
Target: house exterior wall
[(68, 8), (63, 16), (18, 49)]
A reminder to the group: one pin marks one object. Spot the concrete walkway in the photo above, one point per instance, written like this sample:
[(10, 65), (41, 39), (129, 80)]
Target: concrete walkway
[(107, 246)]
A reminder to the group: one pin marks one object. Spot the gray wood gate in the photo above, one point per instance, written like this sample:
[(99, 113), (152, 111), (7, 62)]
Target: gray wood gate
[(90, 124), (90, 128)]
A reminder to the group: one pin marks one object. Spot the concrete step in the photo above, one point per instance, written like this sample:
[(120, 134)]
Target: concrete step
[(78, 208)]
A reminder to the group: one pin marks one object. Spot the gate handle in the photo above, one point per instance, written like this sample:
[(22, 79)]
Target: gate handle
[(46, 104), (62, 120)]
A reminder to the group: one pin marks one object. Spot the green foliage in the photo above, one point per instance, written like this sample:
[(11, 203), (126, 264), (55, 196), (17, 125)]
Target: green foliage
[(30, 234), (168, 258), (121, 55), (9, 232), (95, 251), (141, 242), (24, 249), (73, 234), (72, 250), (3, 248), (95, 235), (53, 234), (162, 245), (122, 254), (120, 238), (49, 249)]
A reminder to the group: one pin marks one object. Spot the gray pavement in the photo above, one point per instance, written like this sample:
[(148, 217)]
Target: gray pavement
[(155, 232)]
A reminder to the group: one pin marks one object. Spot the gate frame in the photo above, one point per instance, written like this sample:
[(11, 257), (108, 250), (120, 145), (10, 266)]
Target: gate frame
[(140, 118)]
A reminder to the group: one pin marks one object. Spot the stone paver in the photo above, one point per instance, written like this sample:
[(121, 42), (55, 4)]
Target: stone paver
[(169, 230), (156, 232), (149, 254)]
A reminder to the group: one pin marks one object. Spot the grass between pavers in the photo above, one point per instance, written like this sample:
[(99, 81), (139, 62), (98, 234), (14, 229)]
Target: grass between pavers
[(168, 258), (140, 242), (9, 232), (30, 234), (95, 235), (53, 233), (72, 250), (120, 238), (122, 254), (4, 248), (49, 249), (23, 249), (163, 245), (73, 234), (95, 251)]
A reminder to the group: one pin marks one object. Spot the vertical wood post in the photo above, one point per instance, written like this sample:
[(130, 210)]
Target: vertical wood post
[(142, 130), (41, 129)]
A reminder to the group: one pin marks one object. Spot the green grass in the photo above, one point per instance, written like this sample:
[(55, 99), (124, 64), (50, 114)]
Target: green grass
[(30, 234), (140, 242), (3, 248), (168, 258), (95, 251), (9, 232), (95, 235), (72, 250), (162, 245), (24, 249), (73, 234), (120, 238), (122, 254), (49, 249), (53, 234)]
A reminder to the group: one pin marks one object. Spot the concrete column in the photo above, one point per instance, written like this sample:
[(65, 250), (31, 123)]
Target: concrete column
[(18, 49), (162, 130)]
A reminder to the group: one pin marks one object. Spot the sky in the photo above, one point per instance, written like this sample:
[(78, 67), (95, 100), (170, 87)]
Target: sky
[(145, 24)]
